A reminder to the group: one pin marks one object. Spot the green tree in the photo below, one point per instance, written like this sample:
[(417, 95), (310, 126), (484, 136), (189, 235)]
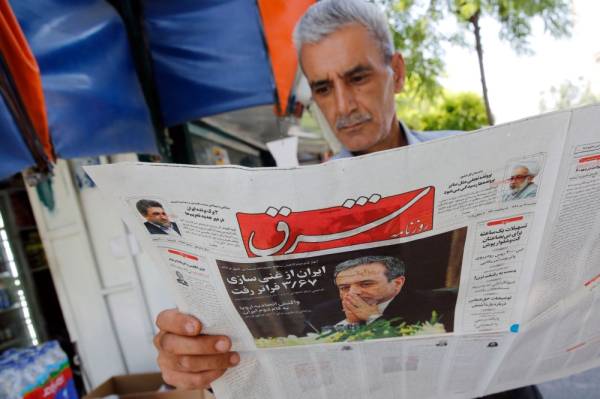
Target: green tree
[(449, 111), (418, 35), (568, 95), (515, 18)]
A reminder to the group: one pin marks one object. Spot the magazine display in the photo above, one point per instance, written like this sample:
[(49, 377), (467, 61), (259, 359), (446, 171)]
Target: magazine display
[(449, 269)]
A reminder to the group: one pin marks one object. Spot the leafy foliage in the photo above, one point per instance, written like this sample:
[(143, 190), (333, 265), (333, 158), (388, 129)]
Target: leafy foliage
[(449, 111), (568, 95), (515, 17), (382, 328), (418, 33), (376, 330), (420, 42)]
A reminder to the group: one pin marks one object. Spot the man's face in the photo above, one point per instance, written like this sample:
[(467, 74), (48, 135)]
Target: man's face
[(354, 87), (519, 178), (158, 216), (369, 282)]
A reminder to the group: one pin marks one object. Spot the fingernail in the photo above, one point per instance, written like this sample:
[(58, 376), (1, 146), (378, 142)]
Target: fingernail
[(222, 345), (234, 359), (190, 327)]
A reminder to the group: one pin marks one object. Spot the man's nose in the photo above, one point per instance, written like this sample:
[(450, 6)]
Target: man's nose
[(355, 289), (345, 101)]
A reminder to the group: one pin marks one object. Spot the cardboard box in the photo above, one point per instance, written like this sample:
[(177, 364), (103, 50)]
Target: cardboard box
[(141, 386)]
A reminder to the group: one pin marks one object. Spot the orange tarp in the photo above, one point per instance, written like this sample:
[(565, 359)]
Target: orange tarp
[(25, 72), (279, 19)]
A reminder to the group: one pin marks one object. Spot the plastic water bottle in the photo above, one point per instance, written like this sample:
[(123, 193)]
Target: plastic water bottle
[(34, 373), (23, 371), (11, 384)]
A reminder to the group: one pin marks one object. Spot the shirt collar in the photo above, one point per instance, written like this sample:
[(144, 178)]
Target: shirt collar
[(170, 228), (384, 305)]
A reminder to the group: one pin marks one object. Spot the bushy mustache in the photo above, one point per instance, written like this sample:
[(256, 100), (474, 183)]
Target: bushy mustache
[(352, 119)]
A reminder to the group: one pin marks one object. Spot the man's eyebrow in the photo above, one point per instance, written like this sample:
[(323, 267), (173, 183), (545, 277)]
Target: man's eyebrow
[(321, 82), (358, 69)]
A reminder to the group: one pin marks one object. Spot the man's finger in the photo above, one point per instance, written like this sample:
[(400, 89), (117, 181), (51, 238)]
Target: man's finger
[(355, 301), (194, 364), (173, 321), (348, 307), (199, 380), (200, 345), (157, 340)]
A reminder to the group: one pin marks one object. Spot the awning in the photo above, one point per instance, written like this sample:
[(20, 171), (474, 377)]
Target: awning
[(26, 139), (207, 57), (94, 99)]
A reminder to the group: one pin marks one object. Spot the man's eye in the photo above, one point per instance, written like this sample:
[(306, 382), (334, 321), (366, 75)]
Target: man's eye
[(358, 78), (321, 90)]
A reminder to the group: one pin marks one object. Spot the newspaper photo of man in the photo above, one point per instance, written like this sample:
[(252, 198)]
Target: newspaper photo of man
[(520, 184), (157, 220), (397, 290), (370, 288)]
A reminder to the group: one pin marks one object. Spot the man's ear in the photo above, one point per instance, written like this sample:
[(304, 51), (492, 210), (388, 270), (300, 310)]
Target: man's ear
[(399, 282), (399, 70)]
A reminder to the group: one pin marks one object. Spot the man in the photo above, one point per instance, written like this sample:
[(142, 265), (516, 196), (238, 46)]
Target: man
[(346, 52), (373, 287), (369, 289), (521, 185), (157, 220)]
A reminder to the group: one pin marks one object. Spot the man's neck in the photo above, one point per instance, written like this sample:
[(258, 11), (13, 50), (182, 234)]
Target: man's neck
[(396, 138)]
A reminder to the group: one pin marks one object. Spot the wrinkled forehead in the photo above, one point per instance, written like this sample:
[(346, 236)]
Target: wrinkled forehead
[(362, 272), (340, 51)]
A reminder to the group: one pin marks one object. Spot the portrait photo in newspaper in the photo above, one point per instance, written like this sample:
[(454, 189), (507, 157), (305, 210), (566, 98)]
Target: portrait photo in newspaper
[(380, 292), (522, 177), (156, 218)]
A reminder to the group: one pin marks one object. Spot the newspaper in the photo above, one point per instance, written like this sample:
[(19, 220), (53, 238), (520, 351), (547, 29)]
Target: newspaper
[(497, 232)]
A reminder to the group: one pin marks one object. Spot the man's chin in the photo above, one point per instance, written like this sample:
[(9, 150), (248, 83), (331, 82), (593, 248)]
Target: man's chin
[(371, 302), (357, 146), (355, 140)]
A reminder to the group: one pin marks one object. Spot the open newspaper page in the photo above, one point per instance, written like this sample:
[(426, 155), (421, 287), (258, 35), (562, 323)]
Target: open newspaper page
[(422, 272), (561, 333)]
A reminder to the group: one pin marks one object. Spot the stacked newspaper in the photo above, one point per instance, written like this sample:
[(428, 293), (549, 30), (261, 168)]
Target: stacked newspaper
[(450, 269)]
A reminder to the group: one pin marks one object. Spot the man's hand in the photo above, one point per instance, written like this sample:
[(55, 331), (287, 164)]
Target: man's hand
[(357, 310), (187, 359)]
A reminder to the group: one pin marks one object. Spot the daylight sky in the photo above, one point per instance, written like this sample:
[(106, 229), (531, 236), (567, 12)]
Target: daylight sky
[(515, 82)]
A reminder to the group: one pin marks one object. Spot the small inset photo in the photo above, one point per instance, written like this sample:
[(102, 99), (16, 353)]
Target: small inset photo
[(155, 218), (522, 176)]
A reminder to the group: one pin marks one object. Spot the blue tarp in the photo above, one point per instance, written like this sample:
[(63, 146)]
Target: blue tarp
[(93, 97), (14, 153), (209, 57)]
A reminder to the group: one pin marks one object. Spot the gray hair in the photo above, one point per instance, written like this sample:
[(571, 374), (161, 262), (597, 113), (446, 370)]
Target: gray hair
[(328, 16), (532, 167), (394, 267)]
